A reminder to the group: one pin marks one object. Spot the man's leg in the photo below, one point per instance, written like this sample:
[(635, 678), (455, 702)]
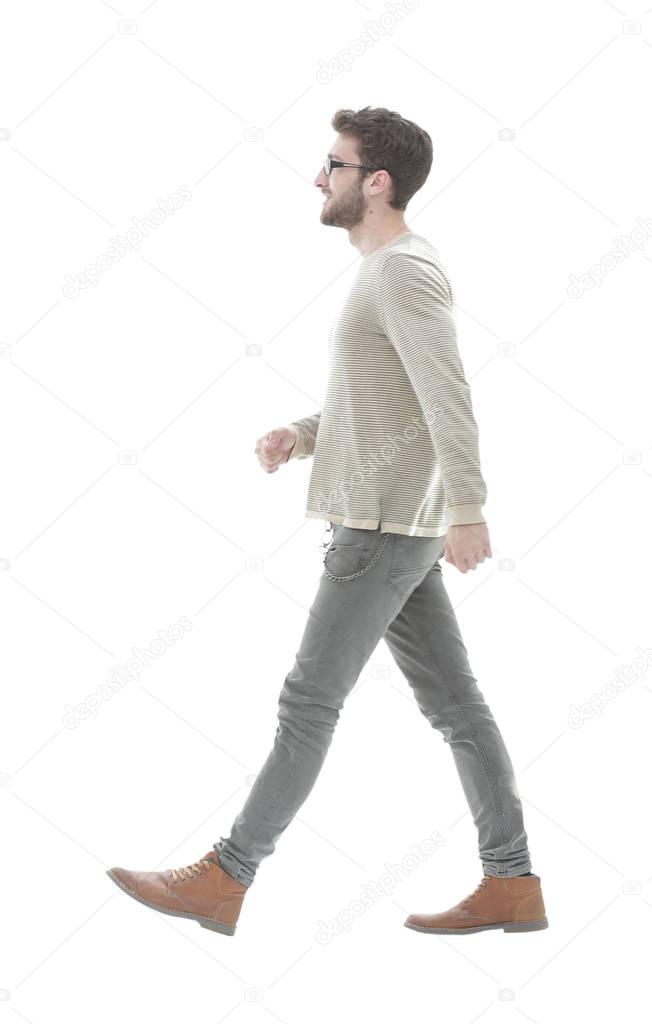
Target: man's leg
[(426, 643), (347, 619)]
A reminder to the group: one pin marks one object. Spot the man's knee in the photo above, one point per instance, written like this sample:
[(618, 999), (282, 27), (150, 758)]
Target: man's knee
[(305, 717)]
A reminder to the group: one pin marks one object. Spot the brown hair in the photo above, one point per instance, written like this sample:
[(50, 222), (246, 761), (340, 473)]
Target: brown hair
[(386, 141)]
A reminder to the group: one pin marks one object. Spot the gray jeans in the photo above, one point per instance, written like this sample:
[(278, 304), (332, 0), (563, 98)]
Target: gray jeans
[(381, 585)]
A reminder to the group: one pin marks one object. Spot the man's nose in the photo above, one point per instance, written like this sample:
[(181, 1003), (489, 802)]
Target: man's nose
[(321, 181)]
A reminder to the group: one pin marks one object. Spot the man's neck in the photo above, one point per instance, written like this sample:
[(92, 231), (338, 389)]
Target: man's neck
[(367, 238)]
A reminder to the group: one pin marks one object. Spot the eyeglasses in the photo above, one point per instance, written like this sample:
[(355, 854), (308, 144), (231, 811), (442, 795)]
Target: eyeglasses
[(331, 162)]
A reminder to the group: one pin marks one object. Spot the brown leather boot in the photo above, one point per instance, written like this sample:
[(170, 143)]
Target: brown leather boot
[(514, 904), (201, 891)]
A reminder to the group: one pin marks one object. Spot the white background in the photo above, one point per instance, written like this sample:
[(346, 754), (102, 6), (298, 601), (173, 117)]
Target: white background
[(211, 332)]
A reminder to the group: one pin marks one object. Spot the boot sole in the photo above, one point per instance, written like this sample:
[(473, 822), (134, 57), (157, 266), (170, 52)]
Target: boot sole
[(205, 922), (507, 926)]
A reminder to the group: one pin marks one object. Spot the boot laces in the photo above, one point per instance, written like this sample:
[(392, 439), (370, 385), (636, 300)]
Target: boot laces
[(182, 874), (477, 889)]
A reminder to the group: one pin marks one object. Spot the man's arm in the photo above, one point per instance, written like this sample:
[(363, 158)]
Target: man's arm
[(416, 310), (306, 431)]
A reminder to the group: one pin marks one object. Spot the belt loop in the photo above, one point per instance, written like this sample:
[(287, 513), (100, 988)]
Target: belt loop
[(326, 540)]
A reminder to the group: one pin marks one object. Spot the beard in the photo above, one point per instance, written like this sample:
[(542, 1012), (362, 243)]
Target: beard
[(345, 211)]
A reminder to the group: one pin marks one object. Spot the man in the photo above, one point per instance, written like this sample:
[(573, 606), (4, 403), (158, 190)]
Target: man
[(396, 474)]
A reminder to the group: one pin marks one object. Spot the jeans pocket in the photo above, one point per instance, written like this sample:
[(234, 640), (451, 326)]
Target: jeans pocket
[(353, 552), (413, 559)]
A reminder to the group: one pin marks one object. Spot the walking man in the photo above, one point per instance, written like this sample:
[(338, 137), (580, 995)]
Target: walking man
[(396, 475)]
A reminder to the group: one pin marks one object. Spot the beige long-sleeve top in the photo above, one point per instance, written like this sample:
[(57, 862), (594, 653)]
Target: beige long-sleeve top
[(395, 444)]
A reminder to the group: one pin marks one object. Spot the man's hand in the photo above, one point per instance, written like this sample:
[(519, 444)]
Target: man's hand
[(467, 545), (273, 448)]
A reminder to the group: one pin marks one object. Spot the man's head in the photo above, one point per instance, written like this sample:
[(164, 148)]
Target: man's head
[(397, 157)]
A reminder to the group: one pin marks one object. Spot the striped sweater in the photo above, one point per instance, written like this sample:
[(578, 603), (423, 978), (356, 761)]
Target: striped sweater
[(395, 444)]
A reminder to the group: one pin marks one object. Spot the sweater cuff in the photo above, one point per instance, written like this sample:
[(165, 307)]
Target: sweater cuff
[(465, 515)]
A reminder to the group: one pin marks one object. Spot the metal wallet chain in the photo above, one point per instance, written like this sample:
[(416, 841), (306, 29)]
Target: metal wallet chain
[(360, 572)]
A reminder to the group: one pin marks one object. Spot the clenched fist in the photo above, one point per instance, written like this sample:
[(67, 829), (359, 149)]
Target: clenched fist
[(273, 449)]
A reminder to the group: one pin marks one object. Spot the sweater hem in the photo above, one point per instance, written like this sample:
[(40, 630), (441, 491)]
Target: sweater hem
[(386, 525)]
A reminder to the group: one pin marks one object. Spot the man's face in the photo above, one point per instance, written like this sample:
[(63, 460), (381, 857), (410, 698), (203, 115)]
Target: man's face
[(344, 200)]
